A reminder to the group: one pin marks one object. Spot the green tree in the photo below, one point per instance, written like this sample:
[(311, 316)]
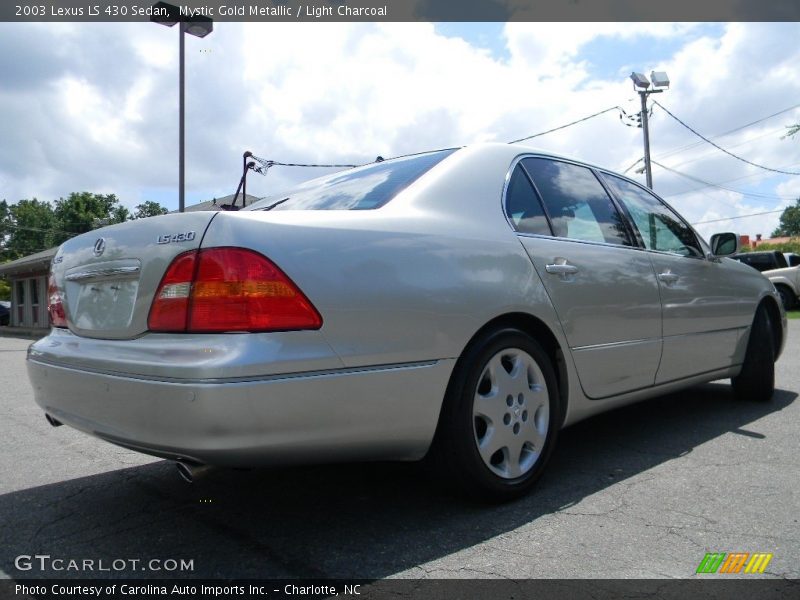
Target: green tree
[(119, 214), (31, 228), (83, 211), (789, 221), (792, 130), (149, 209), (5, 289), (5, 229)]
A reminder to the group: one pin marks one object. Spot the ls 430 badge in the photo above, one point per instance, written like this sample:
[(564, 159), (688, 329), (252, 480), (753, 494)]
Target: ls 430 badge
[(169, 238)]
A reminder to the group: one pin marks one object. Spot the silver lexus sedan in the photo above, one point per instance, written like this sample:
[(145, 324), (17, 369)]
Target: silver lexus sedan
[(463, 305)]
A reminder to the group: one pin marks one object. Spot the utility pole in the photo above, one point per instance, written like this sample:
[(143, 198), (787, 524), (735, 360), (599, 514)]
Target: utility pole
[(648, 169), (643, 87), (182, 122), (198, 26)]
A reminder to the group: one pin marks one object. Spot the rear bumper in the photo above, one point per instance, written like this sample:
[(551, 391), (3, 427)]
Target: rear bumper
[(374, 413)]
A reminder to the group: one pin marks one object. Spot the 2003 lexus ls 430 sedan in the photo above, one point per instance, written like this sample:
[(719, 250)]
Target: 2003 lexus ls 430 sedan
[(465, 304)]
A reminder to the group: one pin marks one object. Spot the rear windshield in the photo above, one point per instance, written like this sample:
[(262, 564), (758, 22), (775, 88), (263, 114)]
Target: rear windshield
[(357, 189)]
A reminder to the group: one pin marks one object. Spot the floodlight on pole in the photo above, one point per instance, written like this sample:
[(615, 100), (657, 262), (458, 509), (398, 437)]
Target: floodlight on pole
[(659, 79), (198, 26), (644, 87), (640, 81)]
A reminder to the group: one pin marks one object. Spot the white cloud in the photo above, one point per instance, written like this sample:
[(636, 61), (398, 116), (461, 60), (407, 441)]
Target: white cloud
[(94, 106)]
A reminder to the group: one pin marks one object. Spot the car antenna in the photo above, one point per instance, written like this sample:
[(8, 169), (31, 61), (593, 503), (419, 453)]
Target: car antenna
[(264, 166), (246, 166)]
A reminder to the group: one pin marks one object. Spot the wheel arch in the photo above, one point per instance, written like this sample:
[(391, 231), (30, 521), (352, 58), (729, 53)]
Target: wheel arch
[(784, 285), (446, 453), (539, 331), (773, 310)]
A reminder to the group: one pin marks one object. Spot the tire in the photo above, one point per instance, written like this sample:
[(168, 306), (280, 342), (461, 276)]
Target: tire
[(756, 381), (787, 297), (500, 417)]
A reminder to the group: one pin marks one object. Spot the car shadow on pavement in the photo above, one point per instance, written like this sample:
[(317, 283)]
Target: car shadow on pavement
[(346, 521)]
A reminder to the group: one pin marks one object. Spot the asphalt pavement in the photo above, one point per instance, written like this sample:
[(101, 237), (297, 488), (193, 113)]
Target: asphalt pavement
[(644, 491)]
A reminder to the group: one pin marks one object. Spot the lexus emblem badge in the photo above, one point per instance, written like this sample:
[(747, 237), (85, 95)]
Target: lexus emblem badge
[(99, 247)]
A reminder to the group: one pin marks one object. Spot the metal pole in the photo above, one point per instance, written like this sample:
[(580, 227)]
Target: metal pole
[(646, 130), (244, 178), (181, 126)]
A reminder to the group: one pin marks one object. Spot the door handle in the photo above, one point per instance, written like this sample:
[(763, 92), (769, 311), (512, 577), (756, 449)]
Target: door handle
[(668, 278), (561, 269)]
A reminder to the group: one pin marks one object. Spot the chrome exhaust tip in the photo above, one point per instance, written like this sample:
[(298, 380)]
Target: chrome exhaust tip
[(191, 472), (54, 422)]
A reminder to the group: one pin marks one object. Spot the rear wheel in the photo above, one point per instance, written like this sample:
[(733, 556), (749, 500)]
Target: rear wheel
[(500, 418), (756, 381)]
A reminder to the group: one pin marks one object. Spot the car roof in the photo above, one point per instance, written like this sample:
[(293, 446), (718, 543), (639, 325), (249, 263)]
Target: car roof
[(514, 150)]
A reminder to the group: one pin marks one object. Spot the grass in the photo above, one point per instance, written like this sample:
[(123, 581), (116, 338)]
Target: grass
[(793, 314)]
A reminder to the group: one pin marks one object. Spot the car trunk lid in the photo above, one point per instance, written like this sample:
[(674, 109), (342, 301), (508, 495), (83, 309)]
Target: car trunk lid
[(108, 277)]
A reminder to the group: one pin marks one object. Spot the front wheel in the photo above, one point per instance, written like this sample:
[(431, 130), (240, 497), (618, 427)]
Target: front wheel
[(500, 417), (756, 381)]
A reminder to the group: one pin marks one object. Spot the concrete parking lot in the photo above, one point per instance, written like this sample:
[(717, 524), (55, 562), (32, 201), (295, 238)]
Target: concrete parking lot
[(644, 491)]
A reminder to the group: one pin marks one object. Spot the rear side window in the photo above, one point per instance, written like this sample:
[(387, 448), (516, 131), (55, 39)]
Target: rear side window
[(523, 207), (757, 262), (661, 229), (761, 262), (362, 188), (576, 202)]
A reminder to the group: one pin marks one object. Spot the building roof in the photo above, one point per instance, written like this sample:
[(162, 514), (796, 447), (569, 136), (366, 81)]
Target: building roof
[(775, 240), (216, 203), (33, 262)]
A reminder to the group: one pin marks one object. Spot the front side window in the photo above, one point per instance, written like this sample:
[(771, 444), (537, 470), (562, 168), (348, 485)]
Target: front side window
[(577, 204), (661, 229), (362, 188)]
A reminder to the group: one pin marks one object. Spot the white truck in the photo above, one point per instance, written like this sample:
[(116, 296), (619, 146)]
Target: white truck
[(787, 282)]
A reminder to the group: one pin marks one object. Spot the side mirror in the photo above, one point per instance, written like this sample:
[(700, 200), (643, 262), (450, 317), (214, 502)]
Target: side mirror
[(724, 244)]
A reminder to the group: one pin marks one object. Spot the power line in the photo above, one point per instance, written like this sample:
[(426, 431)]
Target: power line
[(720, 148), (711, 151), (768, 212), (722, 187), (674, 151), (597, 114), (734, 130), (634, 164), (740, 178)]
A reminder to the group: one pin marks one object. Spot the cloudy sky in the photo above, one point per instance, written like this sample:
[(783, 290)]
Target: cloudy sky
[(94, 106)]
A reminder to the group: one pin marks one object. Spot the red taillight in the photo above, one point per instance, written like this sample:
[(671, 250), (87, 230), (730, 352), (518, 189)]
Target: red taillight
[(229, 289), (55, 303), (170, 306)]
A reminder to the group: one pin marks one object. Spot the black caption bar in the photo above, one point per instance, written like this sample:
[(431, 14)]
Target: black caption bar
[(400, 589), (407, 10)]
